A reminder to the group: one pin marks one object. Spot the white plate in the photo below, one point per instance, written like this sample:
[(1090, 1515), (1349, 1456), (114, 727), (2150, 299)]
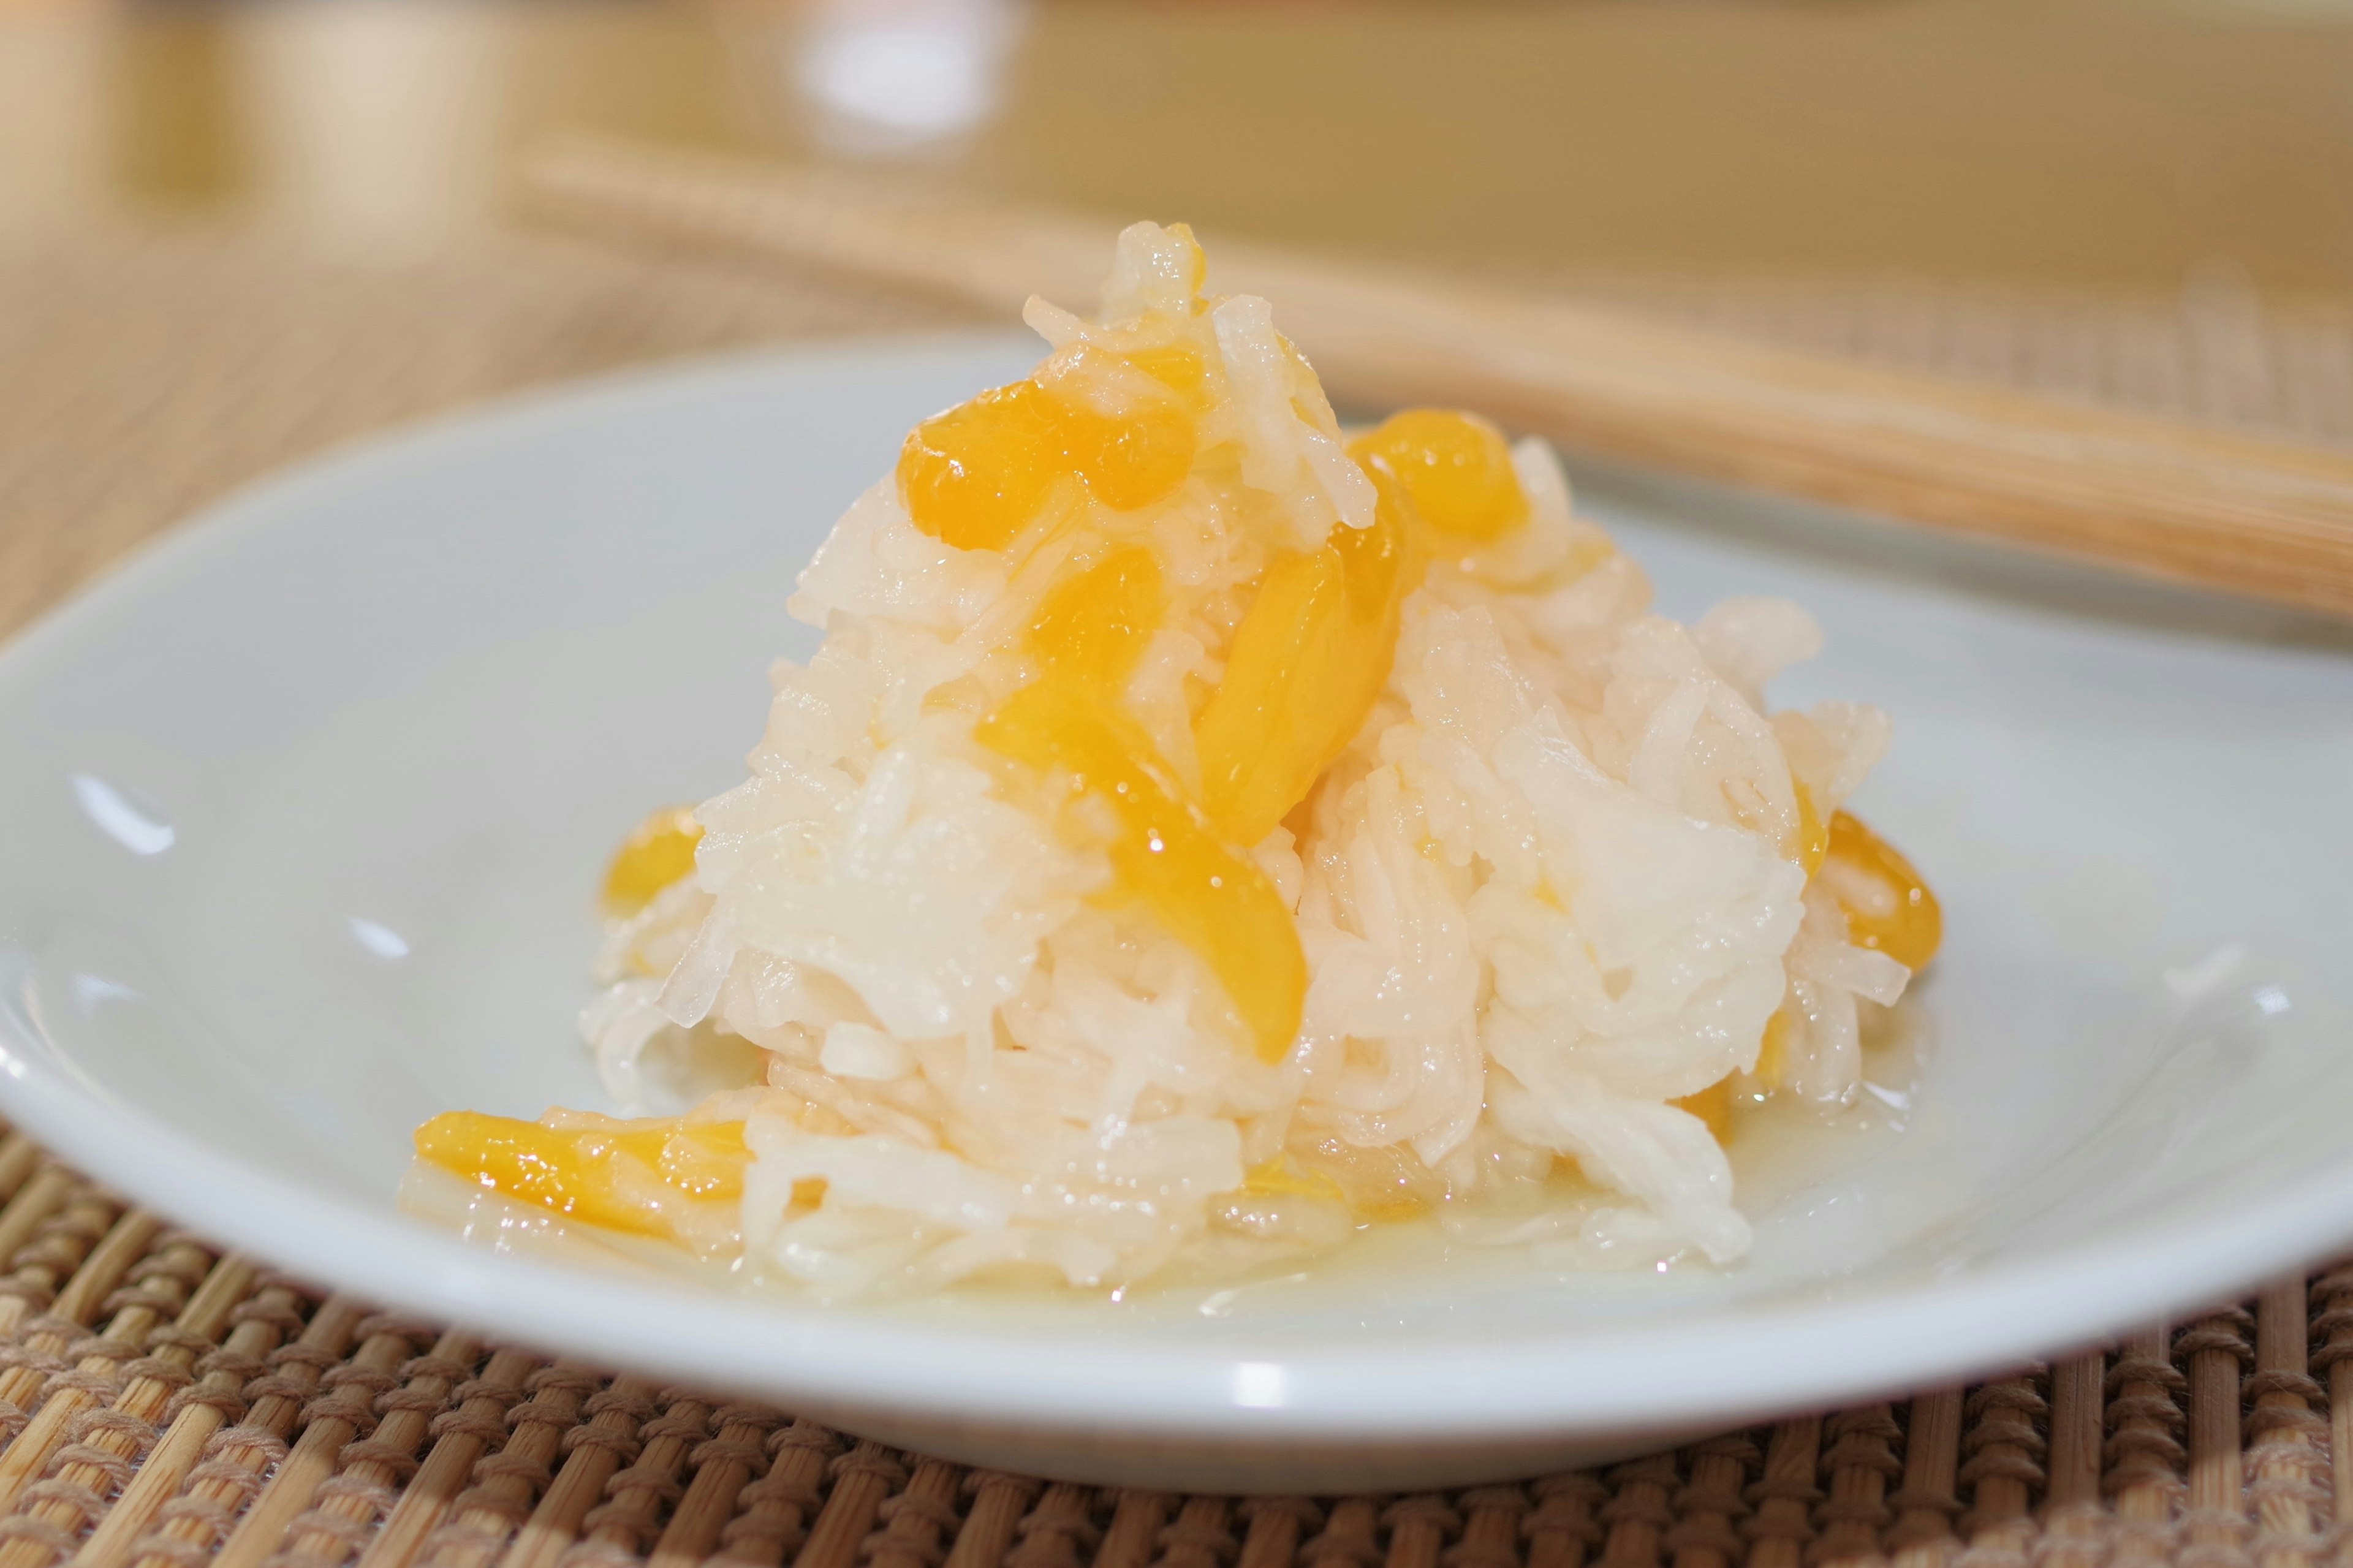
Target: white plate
[(305, 808)]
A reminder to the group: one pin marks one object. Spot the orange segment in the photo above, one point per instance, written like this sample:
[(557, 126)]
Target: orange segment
[(1888, 907), (1165, 855), (974, 476), (614, 1177), (1093, 626), (1257, 760), (657, 852), (1132, 460), (1456, 466), (1306, 665)]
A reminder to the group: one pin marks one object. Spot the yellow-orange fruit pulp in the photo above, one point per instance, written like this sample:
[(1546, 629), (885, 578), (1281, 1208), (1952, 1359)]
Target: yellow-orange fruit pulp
[(976, 476), (658, 851), (1456, 466), (1306, 665), (628, 1176), (1087, 637), (1888, 907)]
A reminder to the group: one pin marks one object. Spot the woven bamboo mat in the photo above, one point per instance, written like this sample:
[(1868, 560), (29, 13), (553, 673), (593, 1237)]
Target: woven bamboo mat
[(165, 1405)]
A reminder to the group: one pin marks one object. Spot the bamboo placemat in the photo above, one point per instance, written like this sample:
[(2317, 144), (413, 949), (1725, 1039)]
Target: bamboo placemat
[(165, 1405)]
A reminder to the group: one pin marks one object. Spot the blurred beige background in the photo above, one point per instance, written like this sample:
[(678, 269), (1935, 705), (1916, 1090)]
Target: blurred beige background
[(234, 234), (2143, 145)]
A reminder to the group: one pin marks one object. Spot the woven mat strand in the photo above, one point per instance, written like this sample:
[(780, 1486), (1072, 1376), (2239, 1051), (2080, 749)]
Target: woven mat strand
[(166, 1405)]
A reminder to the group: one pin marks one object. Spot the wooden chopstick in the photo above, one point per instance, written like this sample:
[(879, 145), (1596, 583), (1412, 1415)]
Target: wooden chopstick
[(2157, 498)]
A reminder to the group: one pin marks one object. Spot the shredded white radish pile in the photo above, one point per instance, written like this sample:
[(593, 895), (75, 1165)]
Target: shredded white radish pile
[(1552, 885)]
